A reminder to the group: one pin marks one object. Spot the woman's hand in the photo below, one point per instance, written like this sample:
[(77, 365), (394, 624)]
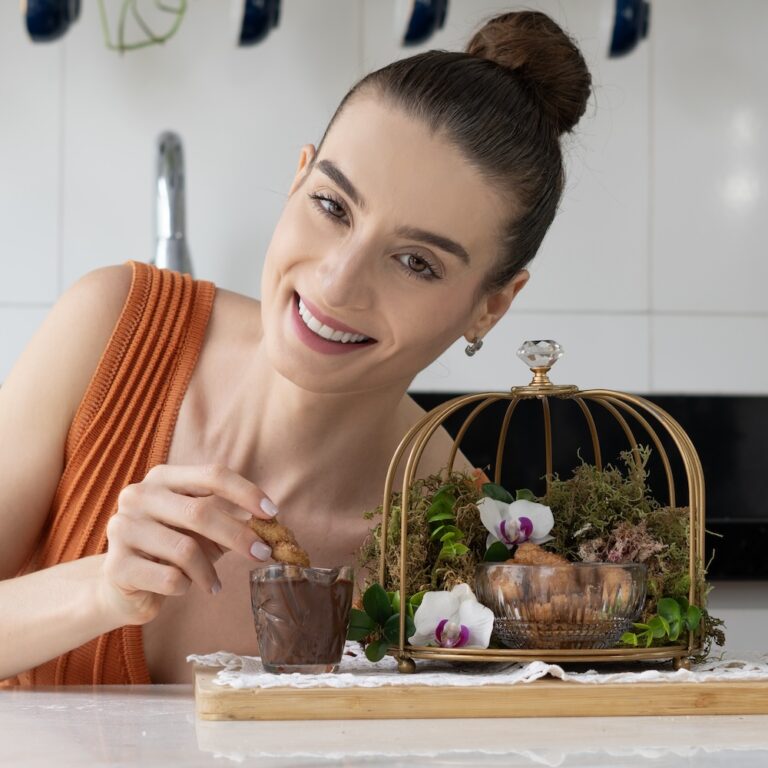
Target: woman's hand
[(170, 529)]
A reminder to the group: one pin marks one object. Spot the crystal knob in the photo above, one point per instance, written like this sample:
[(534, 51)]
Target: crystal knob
[(540, 355)]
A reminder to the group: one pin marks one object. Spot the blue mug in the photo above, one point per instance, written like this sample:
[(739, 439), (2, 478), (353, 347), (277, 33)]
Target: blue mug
[(259, 18), (420, 19), (630, 26), (48, 20)]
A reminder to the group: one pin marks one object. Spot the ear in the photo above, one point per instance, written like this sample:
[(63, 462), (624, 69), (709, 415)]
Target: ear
[(306, 161), (495, 306)]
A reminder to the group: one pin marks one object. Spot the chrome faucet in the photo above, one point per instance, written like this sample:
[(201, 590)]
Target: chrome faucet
[(171, 250)]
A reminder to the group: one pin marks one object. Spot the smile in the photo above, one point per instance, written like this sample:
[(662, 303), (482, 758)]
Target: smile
[(343, 335), (318, 333)]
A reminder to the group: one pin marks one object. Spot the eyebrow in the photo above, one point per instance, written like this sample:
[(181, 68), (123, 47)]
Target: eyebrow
[(335, 174)]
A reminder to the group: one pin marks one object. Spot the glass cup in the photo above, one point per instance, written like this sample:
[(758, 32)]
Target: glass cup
[(301, 616)]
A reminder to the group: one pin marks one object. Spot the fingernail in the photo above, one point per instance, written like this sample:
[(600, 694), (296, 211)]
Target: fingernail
[(260, 550), (268, 507), (216, 588)]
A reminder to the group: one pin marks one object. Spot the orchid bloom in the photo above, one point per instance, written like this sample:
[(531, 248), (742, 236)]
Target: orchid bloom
[(516, 522), (452, 619)]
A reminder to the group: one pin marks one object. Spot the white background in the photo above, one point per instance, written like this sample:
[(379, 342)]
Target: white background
[(653, 277)]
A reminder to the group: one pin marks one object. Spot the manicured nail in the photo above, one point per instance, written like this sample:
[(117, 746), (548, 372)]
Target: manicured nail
[(260, 550), (216, 588), (268, 507)]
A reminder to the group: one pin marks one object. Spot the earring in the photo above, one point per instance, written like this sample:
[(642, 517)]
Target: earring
[(475, 346)]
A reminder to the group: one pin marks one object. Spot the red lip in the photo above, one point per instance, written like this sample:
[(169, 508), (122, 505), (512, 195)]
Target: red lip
[(318, 343), (329, 321)]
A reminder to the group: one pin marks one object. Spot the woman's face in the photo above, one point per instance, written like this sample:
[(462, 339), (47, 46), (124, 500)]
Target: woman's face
[(389, 232)]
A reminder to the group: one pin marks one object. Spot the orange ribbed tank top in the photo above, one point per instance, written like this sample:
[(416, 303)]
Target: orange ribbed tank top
[(122, 428)]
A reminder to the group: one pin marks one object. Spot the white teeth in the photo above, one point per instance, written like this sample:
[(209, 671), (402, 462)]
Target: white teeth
[(325, 331)]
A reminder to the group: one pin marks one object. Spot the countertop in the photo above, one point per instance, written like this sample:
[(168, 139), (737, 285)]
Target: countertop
[(156, 726)]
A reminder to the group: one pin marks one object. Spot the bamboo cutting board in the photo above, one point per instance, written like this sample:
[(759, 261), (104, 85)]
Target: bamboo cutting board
[(541, 698)]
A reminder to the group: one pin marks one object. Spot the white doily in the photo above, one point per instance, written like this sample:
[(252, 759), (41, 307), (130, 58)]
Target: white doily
[(248, 672)]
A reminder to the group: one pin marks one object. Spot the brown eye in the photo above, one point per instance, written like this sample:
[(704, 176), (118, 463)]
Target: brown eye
[(416, 266)]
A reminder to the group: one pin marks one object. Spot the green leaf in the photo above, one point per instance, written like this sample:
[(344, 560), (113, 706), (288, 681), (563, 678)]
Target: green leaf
[(496, 553), (452, 534), (391, 630), (415, 600), (629, 638), (669, 608), (437, 532), (444, 530), (524, 494), (452, 549), (693, 617), (641, 626), (656, 625), (648, 640), (443, 499), (674, 629), (494, 491), (394, 600), (360, 625), (440, 515), (376, 603), (376, 650)]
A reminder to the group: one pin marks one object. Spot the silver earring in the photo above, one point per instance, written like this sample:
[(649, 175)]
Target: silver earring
[(475, 346)]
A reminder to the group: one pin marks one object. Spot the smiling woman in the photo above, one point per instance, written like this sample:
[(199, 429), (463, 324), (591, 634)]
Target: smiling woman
[(181, 411)]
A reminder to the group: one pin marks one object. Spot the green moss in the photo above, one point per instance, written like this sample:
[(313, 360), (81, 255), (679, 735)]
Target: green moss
[(603, 515)]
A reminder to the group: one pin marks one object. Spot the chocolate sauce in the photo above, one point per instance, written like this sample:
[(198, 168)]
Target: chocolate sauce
[(301, 622)]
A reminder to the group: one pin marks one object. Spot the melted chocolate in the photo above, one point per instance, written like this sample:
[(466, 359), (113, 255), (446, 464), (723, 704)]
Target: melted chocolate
[(301, 622)]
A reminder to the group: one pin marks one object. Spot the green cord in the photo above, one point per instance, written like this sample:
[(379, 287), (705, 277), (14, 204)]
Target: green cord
[(154, 39)]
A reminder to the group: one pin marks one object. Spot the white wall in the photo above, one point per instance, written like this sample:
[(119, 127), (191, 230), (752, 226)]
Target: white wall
[(652, 278)]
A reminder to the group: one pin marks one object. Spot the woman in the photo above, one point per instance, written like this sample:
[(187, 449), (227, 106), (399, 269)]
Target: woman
[(175, 412)]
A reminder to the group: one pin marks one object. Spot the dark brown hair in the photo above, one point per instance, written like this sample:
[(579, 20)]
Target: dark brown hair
[(504, 103)]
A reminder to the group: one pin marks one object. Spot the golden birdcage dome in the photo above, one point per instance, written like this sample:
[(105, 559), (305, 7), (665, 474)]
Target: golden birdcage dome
[(634, 415)]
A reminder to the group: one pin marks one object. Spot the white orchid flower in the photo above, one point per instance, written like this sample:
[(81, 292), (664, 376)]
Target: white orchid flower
[(452, 620), (516, 522)]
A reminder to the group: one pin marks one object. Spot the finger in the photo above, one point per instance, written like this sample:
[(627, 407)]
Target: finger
[(206, 479), (172, 547), (134, 573), (204, 515)]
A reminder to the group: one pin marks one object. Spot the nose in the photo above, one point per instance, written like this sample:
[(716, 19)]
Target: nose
[(345, 279)]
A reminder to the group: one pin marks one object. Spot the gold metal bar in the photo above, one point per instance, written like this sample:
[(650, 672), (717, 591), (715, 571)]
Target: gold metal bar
[(656, 441), (430, 423), (592, 431), (503, 438), (547, 440), (604, 400), (468, 422)]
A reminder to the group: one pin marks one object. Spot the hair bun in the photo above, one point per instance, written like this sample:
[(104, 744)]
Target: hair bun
[(544, 57)]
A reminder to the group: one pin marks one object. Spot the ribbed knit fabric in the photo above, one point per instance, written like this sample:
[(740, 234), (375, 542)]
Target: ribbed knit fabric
[(122, 428)]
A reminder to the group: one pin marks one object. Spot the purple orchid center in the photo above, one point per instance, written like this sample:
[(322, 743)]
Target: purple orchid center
[(526, 528), (505, 534), (451, 635)]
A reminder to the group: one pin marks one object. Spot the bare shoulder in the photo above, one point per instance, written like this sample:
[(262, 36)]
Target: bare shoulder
[(234, 313), (439, 447), (39, 398)]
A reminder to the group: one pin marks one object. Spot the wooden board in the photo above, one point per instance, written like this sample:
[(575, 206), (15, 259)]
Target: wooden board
[(541, 698)]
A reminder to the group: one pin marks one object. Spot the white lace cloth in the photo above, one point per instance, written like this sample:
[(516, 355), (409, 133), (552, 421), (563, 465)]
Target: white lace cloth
[(248, 672)]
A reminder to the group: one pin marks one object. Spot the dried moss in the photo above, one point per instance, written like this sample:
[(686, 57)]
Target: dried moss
[(424, 569), (603, 515)]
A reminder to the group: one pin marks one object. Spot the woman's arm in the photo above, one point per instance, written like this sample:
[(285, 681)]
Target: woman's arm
[(38, 401), (167, 532), (49, 612)]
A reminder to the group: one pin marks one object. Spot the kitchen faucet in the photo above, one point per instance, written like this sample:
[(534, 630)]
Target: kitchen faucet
[(171, 250)]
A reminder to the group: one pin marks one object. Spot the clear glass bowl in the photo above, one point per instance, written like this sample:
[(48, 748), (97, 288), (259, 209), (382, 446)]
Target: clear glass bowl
[(578, 605), (301, 616)]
